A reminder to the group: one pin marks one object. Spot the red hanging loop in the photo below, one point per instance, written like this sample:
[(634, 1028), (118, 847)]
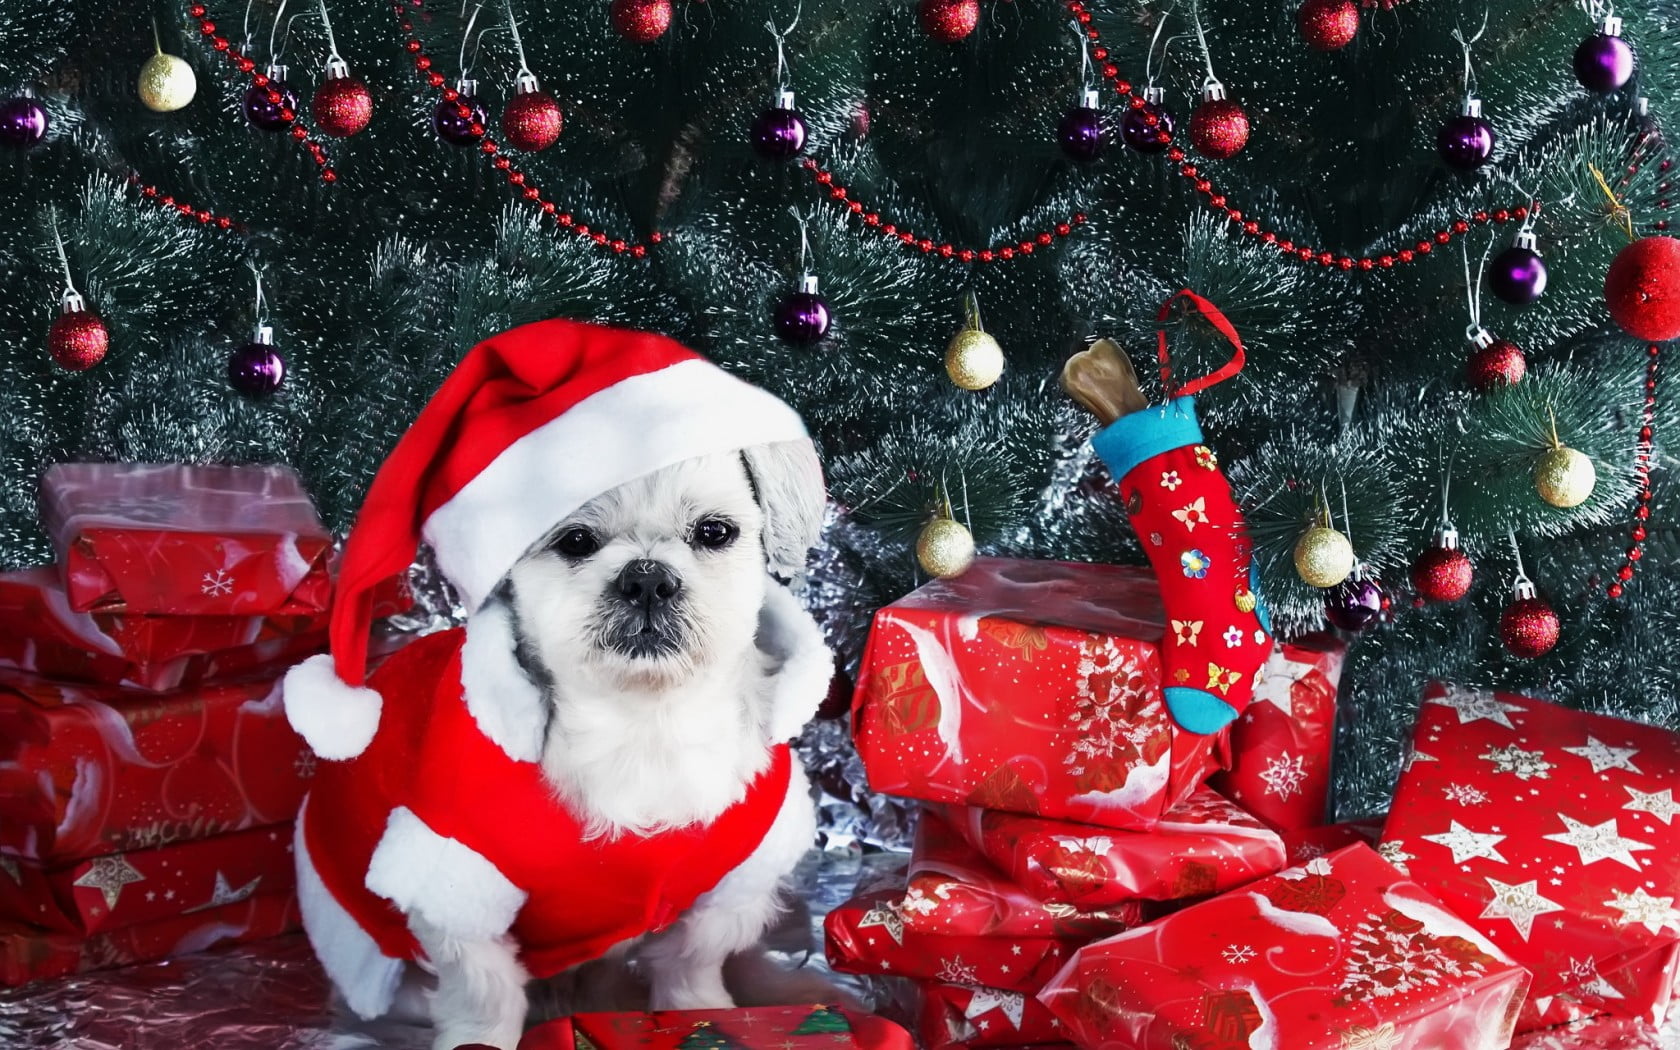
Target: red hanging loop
[(1221, 324)]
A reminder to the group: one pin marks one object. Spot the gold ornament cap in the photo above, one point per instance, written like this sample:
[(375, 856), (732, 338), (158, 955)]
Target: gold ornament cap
[(1323, 557), (945, 548), (167, 83)]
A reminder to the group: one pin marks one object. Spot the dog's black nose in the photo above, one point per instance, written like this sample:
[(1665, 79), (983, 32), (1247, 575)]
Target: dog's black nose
[(648, 583)]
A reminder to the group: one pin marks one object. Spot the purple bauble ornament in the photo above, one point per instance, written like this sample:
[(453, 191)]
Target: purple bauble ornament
[(779, 133), (1081, 133), (1604, 61), (1148, 128), (1354, 604), (461, 121), (256, 369), (271, 106), (1518, 274), (1466, 141), (802, 317), (23, 121)]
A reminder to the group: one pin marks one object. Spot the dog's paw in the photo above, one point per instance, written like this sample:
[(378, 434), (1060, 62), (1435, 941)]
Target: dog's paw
[(456, 1037)]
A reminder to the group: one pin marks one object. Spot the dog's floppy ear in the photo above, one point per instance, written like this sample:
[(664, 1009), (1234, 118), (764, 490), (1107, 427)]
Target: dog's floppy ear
[(788, 481)]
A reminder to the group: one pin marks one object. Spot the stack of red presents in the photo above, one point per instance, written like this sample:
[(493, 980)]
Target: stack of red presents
[(148, 776), (1087, 873)]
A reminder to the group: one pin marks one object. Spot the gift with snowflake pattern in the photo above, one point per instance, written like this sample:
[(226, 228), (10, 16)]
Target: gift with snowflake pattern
[(30, 954), (1032, 687), (186, 540), (1343, 952), (804, 1027), (953, 890), (1309, 843), (122, 889), (963, 1015), (1554, 832), (1203, 845), (1281, 745)]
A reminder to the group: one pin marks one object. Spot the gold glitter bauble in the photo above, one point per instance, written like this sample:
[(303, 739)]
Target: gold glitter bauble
[(945, 548), (973, 360), (166, 83), (1323, 557), (1565, 477)]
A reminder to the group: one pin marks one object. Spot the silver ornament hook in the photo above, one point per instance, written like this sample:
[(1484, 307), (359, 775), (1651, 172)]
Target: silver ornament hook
[(1085, 78), (524, 70), (261, 308), (1149, 56), (466, 35), (1211, 81), (804, 241), (1473, 291), (1522, 579), (333, 57), (1469, 69), (780, 37), (63, 257)]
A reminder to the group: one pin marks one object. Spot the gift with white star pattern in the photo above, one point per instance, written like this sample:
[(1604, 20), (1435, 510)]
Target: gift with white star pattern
[(186, 540), (1032, 687), (1282, 744), (1203, 845), (121, 889), (952, 1016), (1555, 833), (954, 891), (1343, 952), (803, 1027), (28, 954)]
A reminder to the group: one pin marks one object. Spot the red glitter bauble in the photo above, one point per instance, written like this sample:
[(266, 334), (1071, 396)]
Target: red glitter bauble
[(1328, 25), (1218, 128), (641, 21), (1500, 363), (1529, 628), (1442, 574), (949, 21), (1643, 289), (78, 340), (342, 106), (532, 121)]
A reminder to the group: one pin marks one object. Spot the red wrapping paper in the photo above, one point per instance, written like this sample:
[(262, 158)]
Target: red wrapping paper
[(28, 954), (1309, 843), (867, 935), (1553, 832), (186, 541), (1202, 846), (40, 633), (751, 1028), (1031, 687), (122, 889), (1345, 952), (955, 1015), (87, 770), (1281, 746), (953, 891)]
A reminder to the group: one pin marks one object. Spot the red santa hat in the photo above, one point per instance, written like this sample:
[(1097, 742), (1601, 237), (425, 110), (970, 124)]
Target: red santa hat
[(531, 425)]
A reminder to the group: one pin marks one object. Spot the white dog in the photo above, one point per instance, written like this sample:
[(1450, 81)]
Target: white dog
[(597, 771)]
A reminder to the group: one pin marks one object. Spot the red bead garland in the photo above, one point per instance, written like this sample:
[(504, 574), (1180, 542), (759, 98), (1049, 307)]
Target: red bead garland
[(204, 216), (1642, 471), (872, 220), (499, 161), (246, 65)]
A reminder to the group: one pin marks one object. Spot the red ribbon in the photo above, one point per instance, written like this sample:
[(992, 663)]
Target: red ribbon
[(1220, 323)]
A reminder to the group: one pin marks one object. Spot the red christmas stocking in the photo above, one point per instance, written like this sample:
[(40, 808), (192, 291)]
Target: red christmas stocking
[(1197, 542)]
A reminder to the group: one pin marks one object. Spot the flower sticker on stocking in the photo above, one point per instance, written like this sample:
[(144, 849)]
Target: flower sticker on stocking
[(1170, 480), (1205, 458), (1193, 514), (1194, 563), (1221, 679)]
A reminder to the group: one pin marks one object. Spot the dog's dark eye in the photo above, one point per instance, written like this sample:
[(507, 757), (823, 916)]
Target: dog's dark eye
[(577, 543), (714, 533)]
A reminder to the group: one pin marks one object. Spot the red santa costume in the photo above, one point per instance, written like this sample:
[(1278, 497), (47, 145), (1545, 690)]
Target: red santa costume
[(432, 801)]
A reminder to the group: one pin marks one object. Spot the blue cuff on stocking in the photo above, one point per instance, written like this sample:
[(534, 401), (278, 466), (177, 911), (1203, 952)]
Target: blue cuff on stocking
[(1147, 433), (1198, 710)]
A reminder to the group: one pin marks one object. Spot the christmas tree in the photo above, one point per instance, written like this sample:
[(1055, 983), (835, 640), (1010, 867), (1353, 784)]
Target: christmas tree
[(1408, 212)]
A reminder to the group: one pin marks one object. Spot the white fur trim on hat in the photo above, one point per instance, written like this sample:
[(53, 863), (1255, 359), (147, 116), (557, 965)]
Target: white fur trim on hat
[(787, 632), (623, 432), (336, 719)]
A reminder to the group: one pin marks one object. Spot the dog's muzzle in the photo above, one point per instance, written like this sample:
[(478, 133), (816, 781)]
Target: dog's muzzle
[(643, 604)]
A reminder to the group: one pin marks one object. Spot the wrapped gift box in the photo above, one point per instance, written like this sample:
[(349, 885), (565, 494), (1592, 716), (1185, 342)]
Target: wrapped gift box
[(867, 935), (88, 770), (1281, 745), (187, 541), (1554, 833), (122, 889), (1345, 952), (1203, 845), (953, 891), (1032, 687), (1307, 843), (28, 954), (958, 1015), (751, 1028), (40, 633)]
